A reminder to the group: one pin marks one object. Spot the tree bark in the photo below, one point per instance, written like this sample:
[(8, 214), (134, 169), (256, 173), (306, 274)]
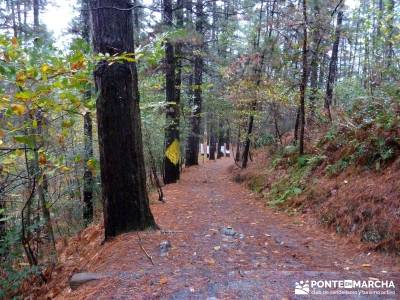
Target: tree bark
[(87, 176), (36, 16), (136, 22), (248, 140), (389, 45), (316, 41), (171, 167), (213, 139), (303, 84), (3, 222), (87, 132), (228, 141), (14, 19), (192, 151), (333, 66), (221, 140), (123, 177), (237, 156)]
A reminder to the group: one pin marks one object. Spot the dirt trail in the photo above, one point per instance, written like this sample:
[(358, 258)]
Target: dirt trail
[(261, 257)]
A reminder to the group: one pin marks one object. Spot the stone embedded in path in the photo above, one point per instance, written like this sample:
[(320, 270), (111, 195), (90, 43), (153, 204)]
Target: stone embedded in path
[(229, 231), (81, 278), (164, 247)]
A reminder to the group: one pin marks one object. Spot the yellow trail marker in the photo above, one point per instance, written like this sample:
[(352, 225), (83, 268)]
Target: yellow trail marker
[(173, 152)]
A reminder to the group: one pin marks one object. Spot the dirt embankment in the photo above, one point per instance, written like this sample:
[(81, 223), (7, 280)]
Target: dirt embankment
[(351, 198)]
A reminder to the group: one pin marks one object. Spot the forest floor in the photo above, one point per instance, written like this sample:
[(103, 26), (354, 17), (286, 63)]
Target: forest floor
[(225, 244)]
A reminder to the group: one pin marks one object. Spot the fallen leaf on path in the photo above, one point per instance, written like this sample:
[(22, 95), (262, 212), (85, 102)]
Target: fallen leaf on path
[(366, 265), (209, 261), (163, 280), (216, 248)]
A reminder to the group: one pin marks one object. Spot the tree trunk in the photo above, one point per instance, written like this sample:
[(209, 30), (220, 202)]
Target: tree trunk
[(178, 67), (14, 19), (42, 184), (303, 84), (296, 126), (25, 18), (87, 131), (172, 143), (248, 140), (213, 139), (314, 62), (237, 156), (389, 51), (36, 16), (192, 151), (136, 23), (125, 199), (19, 17), (322, 70), (87, 176), (228, 141), (333, 66), (221, 140), (257, 72), (3, 222)]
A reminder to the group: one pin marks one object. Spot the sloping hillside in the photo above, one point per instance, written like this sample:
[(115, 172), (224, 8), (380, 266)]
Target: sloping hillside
[(350, 182)]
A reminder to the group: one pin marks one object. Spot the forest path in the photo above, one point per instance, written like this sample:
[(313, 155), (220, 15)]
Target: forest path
[(261, 257)]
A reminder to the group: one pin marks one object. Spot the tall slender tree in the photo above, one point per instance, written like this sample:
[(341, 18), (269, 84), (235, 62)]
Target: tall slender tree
[(303, 84), (333, 65), (258, 69), (125, 199), (315, 56)]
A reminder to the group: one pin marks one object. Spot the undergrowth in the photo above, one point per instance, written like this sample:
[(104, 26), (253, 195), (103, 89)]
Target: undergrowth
[(370, 139), (13, 269), (364, 139), (293, 182)]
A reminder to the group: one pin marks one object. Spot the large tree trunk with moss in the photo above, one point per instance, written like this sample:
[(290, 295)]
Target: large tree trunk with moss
[(125, 199)]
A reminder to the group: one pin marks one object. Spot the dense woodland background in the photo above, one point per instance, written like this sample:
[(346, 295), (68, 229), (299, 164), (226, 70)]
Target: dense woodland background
[(235, 75)]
